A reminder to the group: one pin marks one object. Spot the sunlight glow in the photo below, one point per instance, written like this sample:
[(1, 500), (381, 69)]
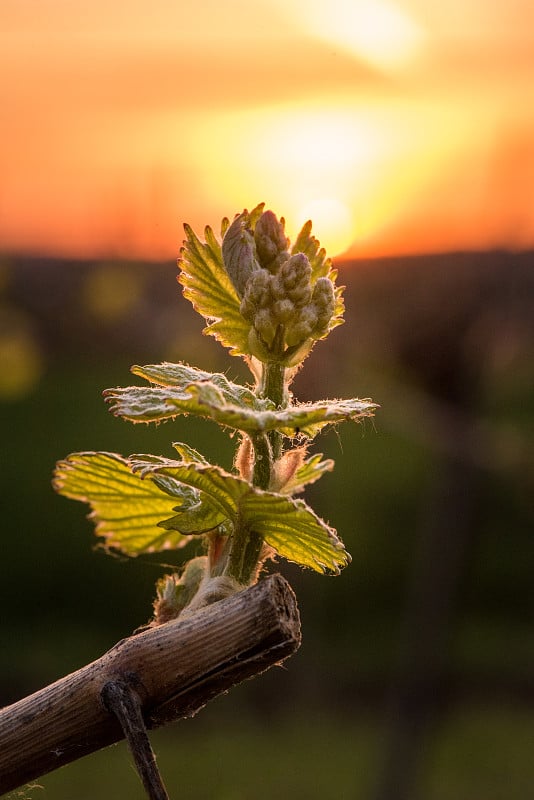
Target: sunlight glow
[(349, 170), (400, 123), (333, 223), (305, 162)]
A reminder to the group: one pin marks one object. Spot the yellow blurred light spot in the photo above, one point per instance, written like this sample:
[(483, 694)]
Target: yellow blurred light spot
[(112, 290), (21, 362)]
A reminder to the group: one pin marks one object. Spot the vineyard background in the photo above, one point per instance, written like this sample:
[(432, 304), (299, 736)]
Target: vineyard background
[(418, 661)]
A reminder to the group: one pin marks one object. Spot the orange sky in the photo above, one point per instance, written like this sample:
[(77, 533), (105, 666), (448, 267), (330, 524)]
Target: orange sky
[(397, 126)]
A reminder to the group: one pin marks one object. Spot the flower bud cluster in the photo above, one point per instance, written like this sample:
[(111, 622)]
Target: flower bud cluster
[(271, 241), (278, 299), (239, 253)]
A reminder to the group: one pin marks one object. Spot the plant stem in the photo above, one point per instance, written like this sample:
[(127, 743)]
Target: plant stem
[(247, 544), (274, 387), (273, 383), (263, 461), (244, 555)]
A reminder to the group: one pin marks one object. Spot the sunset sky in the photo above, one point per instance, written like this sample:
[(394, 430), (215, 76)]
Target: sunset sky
[(398, 127)]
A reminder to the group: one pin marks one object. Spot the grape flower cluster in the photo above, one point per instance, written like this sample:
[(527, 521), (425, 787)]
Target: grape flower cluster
[(286, 309)]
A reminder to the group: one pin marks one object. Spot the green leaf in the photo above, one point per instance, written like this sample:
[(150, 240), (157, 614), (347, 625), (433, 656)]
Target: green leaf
[(189, 454), (182, 376), (201, 518), (125, 508), (295, 531), (307, 243), (309, 472), (214, 397), (321, 268), (155, 404), (287, 525), (182, 389), (140, 404), (224, 489), (207, 286), (309, 418), (255, 214)]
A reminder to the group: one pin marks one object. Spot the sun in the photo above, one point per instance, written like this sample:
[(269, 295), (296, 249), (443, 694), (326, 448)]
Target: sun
[(304, 162), (351, 170)]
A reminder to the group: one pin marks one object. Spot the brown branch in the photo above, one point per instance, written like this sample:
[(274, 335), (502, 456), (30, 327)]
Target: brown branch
[(121, 698), (175, 669)]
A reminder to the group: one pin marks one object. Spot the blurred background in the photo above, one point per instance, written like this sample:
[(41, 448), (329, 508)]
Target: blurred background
[(405, 131)]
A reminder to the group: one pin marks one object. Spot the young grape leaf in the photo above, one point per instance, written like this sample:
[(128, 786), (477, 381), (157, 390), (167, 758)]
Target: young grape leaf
[(182, 376), (321, 268), (224, 489), (308, 244), (188, 453), (207, 286), (200, 518), (205, 399), (255, 214), (311, 470), (125, 508), (309, 418), (289, 526)]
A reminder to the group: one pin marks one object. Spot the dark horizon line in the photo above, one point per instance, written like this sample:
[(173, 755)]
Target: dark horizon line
[(343, 258)]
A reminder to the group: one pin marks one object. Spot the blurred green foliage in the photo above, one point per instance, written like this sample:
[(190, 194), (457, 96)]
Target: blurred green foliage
[(476, 753)]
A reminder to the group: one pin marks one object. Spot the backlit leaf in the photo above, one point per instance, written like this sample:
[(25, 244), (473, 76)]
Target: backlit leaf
[(224, 489), (207, 286), (188, 453), (182, 376), (230, 405), (295, 531), (200, 518), (322, 267), (125, 507), (309, 472), (204, 399), (289, 526), (307, 243), (309, 418)]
